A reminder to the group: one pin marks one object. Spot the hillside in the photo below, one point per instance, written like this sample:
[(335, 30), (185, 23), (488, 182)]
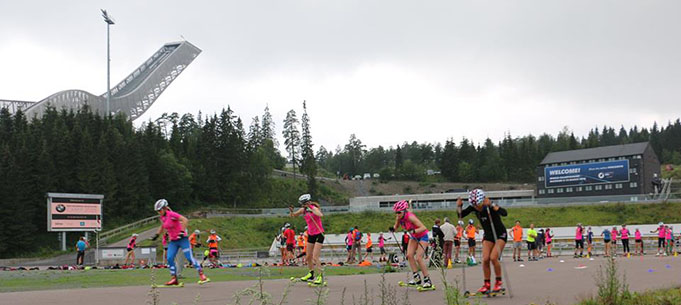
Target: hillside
[(253, 232)]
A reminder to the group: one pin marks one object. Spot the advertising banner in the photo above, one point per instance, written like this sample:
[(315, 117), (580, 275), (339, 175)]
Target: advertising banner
[(74, 212), (587, 173)]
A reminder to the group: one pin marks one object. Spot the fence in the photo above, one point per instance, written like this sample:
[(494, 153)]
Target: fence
[(104, 236)]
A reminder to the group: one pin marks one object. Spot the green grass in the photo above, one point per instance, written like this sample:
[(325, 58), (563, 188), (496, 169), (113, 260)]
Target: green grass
[(55, 279)]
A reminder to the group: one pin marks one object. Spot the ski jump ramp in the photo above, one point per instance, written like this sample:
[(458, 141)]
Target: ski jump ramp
[(133, 95)]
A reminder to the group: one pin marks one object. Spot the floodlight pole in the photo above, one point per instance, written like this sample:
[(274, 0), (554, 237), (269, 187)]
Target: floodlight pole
[(109, 22)]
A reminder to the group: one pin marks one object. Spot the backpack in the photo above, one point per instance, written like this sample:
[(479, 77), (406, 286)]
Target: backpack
[(358, 236)]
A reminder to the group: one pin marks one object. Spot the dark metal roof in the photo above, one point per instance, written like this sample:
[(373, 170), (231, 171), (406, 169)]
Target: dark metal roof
[(595, 153)]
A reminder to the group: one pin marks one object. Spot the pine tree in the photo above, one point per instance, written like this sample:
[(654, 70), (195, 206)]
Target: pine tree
[(292, 138), (308, 165), (268, 132)]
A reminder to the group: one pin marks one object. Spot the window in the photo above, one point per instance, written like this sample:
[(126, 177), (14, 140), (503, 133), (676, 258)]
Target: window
[(608, 186), (559, 190), (621, 158), (601, 160), (618, 186), (541, 178), (611, 159), (541, 192), (637, 157), (579, 188), (633, 185), (632, 170), (598, 187), (568, 190), (588, 188), (550, 191)]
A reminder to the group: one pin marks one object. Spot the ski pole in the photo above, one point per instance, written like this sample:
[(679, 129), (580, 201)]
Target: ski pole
[(398, 244), (503, 265)]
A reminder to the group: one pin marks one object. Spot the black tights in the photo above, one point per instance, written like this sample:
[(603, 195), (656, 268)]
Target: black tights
[(625, 245)]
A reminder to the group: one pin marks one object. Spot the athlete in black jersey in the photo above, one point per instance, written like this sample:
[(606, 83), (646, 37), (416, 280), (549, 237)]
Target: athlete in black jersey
[(491, 248)]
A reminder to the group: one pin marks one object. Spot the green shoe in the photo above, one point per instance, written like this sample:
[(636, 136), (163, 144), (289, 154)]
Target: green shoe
[(318, 280), (306, 277)]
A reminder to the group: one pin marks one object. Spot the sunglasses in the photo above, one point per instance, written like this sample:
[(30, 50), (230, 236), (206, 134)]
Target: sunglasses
[(398, 213)]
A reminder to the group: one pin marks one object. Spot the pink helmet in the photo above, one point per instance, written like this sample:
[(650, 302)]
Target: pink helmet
[(400, 206)]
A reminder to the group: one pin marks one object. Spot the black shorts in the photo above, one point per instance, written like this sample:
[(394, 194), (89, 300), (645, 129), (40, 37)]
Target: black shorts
[(614, 241), (382, 250), (457, 243), (290, 247), (316, 239), (490, 237), (548, 242), (130, 249), (471, 242), (638, 241), (606, 241), (660, 242), (370, 249), (579, 243), (531, 245)]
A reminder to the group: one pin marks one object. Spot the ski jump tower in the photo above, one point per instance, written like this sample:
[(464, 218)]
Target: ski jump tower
[(132, 96)]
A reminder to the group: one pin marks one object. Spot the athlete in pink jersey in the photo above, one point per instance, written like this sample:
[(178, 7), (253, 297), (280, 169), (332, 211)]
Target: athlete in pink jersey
[(579, 240), (418, 234), (549, 237), (661, 238), (349, 240), (668, 240), (624, 233), (315, 240), (639, 242), (614, 241), (176, 227)]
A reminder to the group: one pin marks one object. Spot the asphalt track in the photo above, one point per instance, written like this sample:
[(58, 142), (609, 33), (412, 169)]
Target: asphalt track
[(563, 283)]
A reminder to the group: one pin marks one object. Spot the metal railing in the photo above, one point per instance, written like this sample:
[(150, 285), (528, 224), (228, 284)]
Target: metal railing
[(104, 236)]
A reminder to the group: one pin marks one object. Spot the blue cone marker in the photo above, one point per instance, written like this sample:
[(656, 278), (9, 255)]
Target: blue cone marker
[(668, 266), (549, 270), (651, 270)]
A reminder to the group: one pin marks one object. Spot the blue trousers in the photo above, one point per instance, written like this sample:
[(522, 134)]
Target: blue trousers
[(182, 243)]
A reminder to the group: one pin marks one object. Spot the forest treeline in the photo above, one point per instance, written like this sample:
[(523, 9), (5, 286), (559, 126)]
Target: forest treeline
[(198, 160), (513, 159)]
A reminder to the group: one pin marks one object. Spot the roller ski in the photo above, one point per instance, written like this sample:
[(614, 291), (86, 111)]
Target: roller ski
[(427, 285), (414, 282), (202, 278), (173, 283), (319, 281), (487, 291), (306, 278)]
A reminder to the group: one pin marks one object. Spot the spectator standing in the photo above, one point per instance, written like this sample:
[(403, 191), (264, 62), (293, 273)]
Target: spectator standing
[(81, 245), (448, 233)]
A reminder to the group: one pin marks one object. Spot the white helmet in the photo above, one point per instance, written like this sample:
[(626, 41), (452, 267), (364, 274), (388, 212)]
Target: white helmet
[(471, 221), (212, 231), (197, 232), (160, 204), (134, 235), (287, 225), (660, 223), (476, 196), (304, 198), (461, 222)]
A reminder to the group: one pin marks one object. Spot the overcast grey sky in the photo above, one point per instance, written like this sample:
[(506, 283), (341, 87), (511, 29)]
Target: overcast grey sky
[(389, 71)]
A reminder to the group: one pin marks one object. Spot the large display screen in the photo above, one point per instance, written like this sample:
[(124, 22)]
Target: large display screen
[(587, 173), (74, 212)]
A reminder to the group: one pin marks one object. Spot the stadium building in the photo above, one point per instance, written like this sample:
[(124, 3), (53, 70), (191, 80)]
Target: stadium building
[(628, 169)]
